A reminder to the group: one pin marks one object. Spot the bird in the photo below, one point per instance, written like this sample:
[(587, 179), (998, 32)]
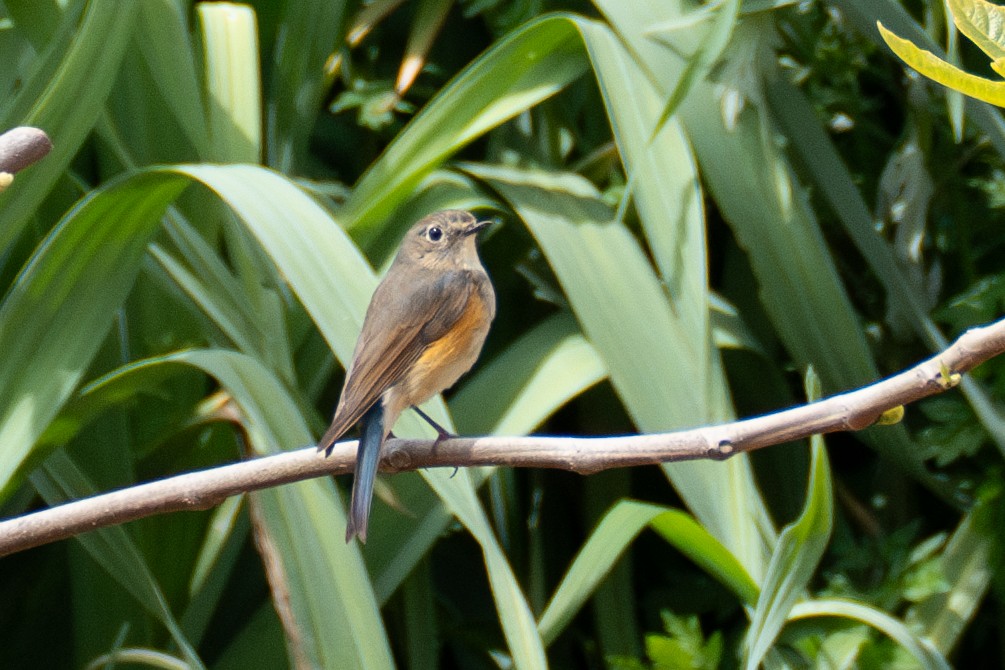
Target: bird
[(424, 328)]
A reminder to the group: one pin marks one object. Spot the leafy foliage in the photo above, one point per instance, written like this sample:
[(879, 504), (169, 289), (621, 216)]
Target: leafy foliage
[(698, 202)]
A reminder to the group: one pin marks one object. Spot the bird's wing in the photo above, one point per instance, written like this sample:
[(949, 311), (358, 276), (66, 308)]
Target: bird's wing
[(393, 338)]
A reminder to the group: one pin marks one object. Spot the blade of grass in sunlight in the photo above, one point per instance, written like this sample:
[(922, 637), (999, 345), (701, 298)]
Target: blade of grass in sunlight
[(625, 314), (64, 97), (794, 562), (926, 657), (77, 279), (615, 531), (527, 66), (234, 91)]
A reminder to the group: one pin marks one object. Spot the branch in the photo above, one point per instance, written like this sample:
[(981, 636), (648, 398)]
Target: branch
[(203, 489), (21, 147)]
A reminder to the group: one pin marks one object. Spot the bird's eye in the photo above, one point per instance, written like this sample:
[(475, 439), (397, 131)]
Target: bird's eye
[(435, 234)]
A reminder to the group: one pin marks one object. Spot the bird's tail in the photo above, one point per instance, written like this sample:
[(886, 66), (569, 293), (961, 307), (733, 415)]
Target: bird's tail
[(367, 460)]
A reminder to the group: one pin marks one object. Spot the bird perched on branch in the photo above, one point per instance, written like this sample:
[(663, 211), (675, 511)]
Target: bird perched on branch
[(424, 328)]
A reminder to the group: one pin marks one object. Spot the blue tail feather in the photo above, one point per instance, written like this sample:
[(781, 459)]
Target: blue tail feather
[(367, 460)]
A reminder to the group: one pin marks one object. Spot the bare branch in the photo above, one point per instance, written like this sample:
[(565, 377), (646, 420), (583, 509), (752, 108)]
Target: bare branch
[(21, 147), (850, 411)]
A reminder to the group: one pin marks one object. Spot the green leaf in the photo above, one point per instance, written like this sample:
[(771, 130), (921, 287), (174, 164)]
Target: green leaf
[(663, 182), (60, 480), (323, 266), (234, 90), (794, 561), (64, 98), (525, 67), (166, 46), (707, 552), (738, 519), (922, 651), (982, 22), (936, 69), (615, 531), (78, 278)]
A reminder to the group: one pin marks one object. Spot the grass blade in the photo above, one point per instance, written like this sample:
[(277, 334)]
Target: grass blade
[(527, 66), (611, 538), (80, 275), (797, 554), (68, 105)]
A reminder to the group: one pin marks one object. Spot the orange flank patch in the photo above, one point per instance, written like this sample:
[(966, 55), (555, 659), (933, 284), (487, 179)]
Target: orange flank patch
[(446, 359)]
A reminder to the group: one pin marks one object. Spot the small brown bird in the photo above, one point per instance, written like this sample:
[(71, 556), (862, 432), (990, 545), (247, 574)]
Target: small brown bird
[(424, 328)]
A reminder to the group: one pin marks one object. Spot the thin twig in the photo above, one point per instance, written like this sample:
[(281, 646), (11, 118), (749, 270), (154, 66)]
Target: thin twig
[(854, 410)]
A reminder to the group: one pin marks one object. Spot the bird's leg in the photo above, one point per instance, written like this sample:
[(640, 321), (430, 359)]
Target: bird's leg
[(442, 433)]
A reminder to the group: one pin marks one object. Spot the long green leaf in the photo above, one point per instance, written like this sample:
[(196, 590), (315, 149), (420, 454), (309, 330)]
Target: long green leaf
[(165, 43), (67, 108), (322, 265), (662, 178), (611, 538), (323, 582), (651, 356), (59, 480), (74, 283), (923, 653), (527, 66), (794, 561), (525, 643)]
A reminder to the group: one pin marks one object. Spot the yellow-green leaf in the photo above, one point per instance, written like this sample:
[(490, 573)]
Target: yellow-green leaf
[(983, 23), (939, 70)]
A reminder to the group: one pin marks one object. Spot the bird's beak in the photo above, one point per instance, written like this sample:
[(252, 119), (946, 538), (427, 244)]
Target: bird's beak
[(476, 226)]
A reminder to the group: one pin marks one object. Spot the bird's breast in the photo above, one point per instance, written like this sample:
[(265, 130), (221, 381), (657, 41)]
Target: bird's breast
[(449, 357)]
